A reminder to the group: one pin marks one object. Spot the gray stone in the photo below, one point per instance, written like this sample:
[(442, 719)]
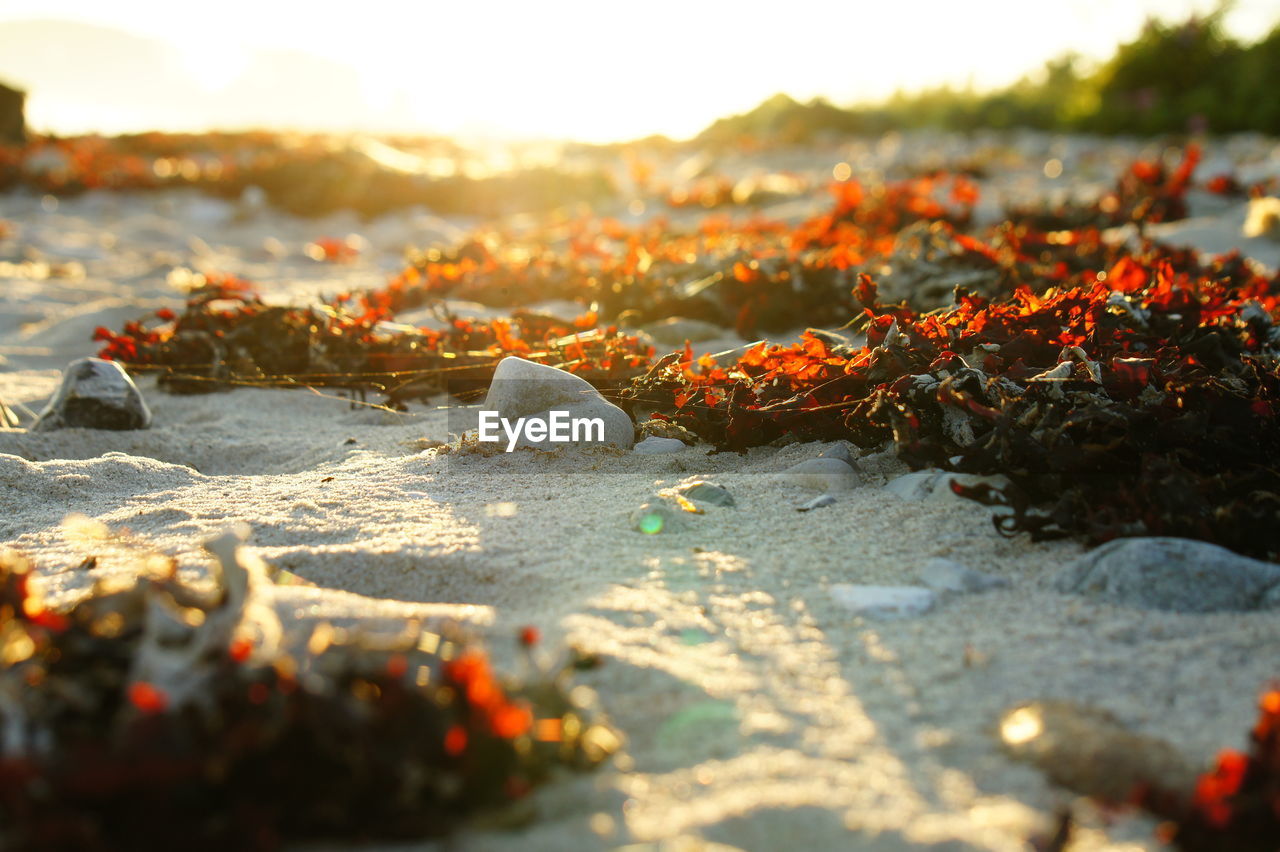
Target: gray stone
[(947, 575), (822, 474), (838, 450), (523, 388), (95, 394), (654, 446), (884, 601), (1176, 574), (704, 491)]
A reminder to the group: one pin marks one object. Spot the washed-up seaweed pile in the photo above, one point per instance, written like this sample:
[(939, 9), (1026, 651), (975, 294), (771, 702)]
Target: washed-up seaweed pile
[(1140, 399), (758, 273), (753, 275), (1236, 805), (227, 336), (156, 716), (1122, 390), (1149, 191), (305, 175)]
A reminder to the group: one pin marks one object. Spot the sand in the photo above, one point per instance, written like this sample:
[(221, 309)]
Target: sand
[(758, 713)]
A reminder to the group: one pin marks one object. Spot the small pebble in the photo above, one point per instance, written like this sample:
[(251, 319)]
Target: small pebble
[(95, 394), (654, 446), (704, 491), (822, 474)]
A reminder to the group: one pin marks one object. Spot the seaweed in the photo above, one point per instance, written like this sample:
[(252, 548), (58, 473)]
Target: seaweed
[(1123, 389), (228, 337), (1137, 399), (1148, 191), (1236, 804), (155, 713)]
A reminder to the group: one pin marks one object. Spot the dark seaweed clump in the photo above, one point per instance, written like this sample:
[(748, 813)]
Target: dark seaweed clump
[(1236, 805), (1141, 399), (239, 743)]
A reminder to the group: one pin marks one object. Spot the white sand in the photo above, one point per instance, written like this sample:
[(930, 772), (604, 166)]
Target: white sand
[(758, 713)]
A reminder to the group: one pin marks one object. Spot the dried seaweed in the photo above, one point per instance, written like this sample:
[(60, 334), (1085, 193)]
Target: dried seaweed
[(156, 715), (1137, 399), (1123, 390), (1149, 191), (1235, 805), (227, 336)]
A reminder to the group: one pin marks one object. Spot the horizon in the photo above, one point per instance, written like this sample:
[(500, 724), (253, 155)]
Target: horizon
[(564, 72)]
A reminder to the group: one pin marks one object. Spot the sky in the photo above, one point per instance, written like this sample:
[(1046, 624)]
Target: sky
[(598, 71)]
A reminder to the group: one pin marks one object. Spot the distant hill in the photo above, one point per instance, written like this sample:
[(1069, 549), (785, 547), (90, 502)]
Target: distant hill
[(1173, 78)]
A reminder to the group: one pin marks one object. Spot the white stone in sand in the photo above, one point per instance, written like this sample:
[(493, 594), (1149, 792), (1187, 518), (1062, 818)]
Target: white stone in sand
[(1263, 219), (655, 446), (522, 388), (95, 394), (822, 474), (884, 601), (935, 484)]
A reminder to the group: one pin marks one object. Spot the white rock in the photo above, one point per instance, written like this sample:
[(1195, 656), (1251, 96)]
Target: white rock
[(1264, 218), (655, 446), (916, 485), (522, 388), (934, 484), (95, 394), (884, 601), (822, 474), (947, 575)]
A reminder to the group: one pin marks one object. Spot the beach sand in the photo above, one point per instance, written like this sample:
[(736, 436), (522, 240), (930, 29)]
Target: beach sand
[(758, 712)]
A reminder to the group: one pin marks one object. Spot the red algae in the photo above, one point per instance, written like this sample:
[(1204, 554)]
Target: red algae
[(348, 738), (1123, 390), (1236, 804)]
